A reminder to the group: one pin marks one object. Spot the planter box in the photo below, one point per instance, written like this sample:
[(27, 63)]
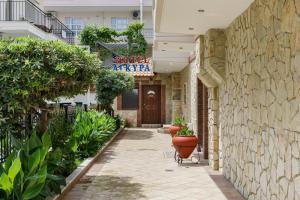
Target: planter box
[(75, 176)]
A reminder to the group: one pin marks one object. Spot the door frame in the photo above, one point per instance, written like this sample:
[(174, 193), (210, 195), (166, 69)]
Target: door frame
[(141, 83)]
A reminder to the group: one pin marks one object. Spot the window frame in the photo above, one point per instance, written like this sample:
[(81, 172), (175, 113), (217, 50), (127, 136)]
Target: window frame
[(120, 101)]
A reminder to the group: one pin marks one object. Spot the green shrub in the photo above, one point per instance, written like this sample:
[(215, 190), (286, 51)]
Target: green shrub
[(61, 131), (91, 130), (26, 173), (179, 121), (185, 132), (34, 70), (111, 84)]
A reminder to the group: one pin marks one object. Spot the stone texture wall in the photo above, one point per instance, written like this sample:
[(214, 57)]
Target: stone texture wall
[(260, 101), (190, 108)]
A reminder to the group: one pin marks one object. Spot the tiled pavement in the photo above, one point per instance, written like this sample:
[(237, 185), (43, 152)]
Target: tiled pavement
[(140, 165)]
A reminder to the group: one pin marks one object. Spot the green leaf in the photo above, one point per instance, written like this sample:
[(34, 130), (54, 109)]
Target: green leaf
[(5, 183), (33, 161), (32, 191), (14, 169), (46, 140)]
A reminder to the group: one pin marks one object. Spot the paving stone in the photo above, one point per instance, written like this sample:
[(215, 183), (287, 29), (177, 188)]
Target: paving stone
[(135, 167)]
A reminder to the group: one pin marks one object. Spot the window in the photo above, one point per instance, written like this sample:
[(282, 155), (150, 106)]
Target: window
[(130, 100), (119, 24), (75, 24)]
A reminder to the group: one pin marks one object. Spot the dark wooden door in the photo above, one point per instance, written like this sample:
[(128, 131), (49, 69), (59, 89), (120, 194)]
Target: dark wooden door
[(151, 101)]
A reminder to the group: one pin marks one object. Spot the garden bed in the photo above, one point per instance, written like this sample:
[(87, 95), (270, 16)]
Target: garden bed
[(75, 176)]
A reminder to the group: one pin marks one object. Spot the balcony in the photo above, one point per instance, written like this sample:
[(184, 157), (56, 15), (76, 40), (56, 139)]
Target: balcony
[(14, 12)]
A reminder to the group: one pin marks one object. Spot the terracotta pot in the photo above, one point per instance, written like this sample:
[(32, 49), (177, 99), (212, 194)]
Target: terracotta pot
[(174, 129), (185, 145)]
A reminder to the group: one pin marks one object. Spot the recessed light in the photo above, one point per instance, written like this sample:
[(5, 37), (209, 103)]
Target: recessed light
[(163, 50), (191, 28), (201, 10), (165, 43), (180, 47)]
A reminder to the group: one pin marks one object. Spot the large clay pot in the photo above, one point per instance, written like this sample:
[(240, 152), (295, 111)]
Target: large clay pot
[(185, 145), (174, 129)]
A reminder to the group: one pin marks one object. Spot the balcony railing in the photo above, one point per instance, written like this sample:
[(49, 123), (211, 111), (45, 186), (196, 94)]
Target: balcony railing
[(27, 11), (148, 32)]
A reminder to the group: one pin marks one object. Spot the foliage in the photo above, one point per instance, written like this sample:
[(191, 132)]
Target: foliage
[(135, 36), (185, 132), (26, 175), (136, 42), (91, 130), (34, 70), (111, 84), (61, 131), (179, 121)]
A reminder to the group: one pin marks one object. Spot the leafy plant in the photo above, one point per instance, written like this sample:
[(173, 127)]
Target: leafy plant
[(25, 174), (34, 70), (111, 84), (91, 130), (136, 42), (61, 131), (185, 132), (179, 121)]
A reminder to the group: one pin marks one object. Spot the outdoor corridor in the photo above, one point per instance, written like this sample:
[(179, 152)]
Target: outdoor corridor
[(140, 165)]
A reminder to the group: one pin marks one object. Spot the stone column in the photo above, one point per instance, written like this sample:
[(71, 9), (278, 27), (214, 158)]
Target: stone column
[(213, 127)]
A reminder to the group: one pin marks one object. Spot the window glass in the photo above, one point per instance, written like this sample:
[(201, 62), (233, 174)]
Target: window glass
[(130, 99), (75, 24), (119, 24)]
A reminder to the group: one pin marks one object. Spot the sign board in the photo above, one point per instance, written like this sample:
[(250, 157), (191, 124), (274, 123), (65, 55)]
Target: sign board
[(134, 64)]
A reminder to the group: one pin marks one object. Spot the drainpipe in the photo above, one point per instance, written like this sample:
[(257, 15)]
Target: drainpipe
[(141, 10)]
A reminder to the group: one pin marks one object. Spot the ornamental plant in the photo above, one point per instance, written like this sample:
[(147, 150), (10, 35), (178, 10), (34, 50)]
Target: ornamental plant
[(179, 121), (26, 173), (111, 84), (185, 132), (136, 42), (33, 71)]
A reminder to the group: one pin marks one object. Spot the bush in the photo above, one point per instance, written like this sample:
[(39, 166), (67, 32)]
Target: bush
[(26, 173), (111, 84), (34, 70), (91, 130)]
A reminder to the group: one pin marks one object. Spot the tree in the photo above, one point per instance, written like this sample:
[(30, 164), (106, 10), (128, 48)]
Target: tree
[(111, 84), (33, 71)]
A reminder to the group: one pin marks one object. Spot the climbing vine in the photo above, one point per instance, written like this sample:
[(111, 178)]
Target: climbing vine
[(136, 43)]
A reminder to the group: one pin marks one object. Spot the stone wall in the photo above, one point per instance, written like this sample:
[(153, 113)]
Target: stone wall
[(260, 100), (189, 107)]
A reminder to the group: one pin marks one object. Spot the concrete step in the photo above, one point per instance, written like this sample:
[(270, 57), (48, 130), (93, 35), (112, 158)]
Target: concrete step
[(164, 129), (151, 125)]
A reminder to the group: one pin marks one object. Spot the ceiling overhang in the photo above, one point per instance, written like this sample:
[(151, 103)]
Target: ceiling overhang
[(177, 19)]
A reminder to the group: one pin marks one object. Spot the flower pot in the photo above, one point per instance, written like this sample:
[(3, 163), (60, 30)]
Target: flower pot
[(174, 129), (185, 145)]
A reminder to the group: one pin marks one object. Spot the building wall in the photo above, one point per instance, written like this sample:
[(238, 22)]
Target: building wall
[(103, 18), (259, 101), (189, 107), (132, 115)]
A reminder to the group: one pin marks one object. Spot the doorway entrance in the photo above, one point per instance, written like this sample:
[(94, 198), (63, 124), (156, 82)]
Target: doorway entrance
[(151, 104)]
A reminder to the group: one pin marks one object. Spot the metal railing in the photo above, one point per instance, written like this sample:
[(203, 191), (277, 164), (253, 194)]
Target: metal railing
[(25, 10), (5, 145), (148, 32)]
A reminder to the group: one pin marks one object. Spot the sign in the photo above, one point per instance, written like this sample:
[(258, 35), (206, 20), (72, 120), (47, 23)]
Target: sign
[(132, 64)]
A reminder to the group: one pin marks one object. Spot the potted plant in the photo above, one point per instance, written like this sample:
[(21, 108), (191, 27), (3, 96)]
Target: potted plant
[(176, 126), (185, 142)]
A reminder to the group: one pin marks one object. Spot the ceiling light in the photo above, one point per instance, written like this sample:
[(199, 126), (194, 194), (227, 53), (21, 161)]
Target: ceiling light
[(201, 10), (180, 48), (191, 28), (165, 43), (163, 50)]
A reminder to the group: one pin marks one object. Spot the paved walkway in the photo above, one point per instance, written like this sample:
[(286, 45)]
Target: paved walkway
[(140, 165)]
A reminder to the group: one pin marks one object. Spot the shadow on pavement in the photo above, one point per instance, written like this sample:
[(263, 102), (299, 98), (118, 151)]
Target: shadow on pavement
[(137, 135), (115, 187)]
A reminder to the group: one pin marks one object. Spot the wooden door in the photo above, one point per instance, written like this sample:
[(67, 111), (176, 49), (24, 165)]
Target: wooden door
[(151, 104)]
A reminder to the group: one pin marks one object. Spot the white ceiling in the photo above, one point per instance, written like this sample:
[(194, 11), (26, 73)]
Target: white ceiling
[(178, 23)]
